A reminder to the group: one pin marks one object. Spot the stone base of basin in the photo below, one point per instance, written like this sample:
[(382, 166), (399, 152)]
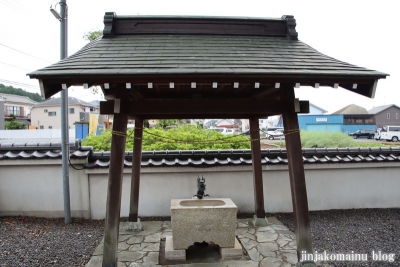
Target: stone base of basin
[(172, 254), (235, 252), (203, 220), (258, 222)]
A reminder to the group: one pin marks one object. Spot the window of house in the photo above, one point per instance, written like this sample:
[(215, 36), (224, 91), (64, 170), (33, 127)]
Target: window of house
[(50, 127), (52, 113), (397, 116), (71, 110), (45, 111), (12, 110), (388, 116), (41, 127)]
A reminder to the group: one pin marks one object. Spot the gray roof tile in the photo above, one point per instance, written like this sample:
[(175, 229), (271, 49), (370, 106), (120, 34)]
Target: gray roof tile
[(56, 102), (191, 53), (379, 109)]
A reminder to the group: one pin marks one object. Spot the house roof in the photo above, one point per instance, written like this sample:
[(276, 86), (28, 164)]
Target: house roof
[(351, 109), (95, 103), (140, 47), (55, 102), (315, 106), (17, 99), (41, 150), (379, 109), (196, 158)]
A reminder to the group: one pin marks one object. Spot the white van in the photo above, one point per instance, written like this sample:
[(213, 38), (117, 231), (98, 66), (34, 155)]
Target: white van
[(390, 133)]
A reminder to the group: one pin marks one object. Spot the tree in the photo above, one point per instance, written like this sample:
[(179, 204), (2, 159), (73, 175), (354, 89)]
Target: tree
[(13, 124), (184, 137), (18, 91), (164, 123)]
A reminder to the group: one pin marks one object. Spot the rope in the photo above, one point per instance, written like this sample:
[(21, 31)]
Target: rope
[(291, 131), (172, 140)]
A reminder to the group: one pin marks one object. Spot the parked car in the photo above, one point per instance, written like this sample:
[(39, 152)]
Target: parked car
[(277, 134), (247, 133), (363, 133), (236, 131), (390, 133), (378, 134), (273, 129), (224, 130)]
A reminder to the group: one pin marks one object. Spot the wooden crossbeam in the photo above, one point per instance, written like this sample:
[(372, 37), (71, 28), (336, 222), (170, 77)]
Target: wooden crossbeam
[(198, 107)]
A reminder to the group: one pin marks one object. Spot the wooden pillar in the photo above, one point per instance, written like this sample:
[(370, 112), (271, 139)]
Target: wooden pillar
[(257, 169), (296, 173), (136, 164), (113, 208)]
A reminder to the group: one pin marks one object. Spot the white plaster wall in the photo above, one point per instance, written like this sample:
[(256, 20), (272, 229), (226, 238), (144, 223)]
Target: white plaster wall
[(35, 188), (159, 185), (336, 186), (353, 188)]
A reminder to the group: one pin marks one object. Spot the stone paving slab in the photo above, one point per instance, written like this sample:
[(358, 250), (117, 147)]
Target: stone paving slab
[(267, 246)]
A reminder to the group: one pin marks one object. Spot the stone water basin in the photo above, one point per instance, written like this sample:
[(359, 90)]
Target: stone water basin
[(198, 220)]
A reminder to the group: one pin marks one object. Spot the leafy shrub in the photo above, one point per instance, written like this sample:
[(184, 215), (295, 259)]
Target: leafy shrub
[(325, 139), (185, 137), (332, 140), (99, 142)]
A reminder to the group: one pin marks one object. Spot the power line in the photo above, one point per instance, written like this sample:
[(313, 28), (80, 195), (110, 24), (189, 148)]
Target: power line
[(19, 84), (19, 5), (14, 66), (7, 4), (24, 53)]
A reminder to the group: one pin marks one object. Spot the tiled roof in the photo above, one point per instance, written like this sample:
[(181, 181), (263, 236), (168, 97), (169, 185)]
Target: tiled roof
[(200, 158), (144, 48), (351, 109), (379, 109), (56, 102), (211, 158), (17, 99), (194, 54), (41, 150)]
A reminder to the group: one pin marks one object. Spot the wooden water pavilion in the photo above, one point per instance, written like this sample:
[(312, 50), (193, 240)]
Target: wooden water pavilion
[(163, 67)]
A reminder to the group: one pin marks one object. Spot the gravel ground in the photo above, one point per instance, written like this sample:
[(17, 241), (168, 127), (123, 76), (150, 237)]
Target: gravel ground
[(29, 241), (361, 231)]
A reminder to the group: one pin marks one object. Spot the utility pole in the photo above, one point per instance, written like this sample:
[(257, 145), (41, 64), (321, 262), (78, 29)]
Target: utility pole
[(64, 113), (63, 18)]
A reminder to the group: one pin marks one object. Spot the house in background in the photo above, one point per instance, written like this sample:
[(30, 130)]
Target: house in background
[(19, 106), (226, 123), (356, 118), (1, 115), (386, 115), (308, 119), (347, 119), (47, 114), (315, 110)]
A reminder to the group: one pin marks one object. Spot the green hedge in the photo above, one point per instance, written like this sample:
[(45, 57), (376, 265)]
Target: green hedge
[(185, 137), (188, 137)]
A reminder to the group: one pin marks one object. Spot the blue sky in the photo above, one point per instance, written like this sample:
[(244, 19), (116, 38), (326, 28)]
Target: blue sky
[(363, 33)]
